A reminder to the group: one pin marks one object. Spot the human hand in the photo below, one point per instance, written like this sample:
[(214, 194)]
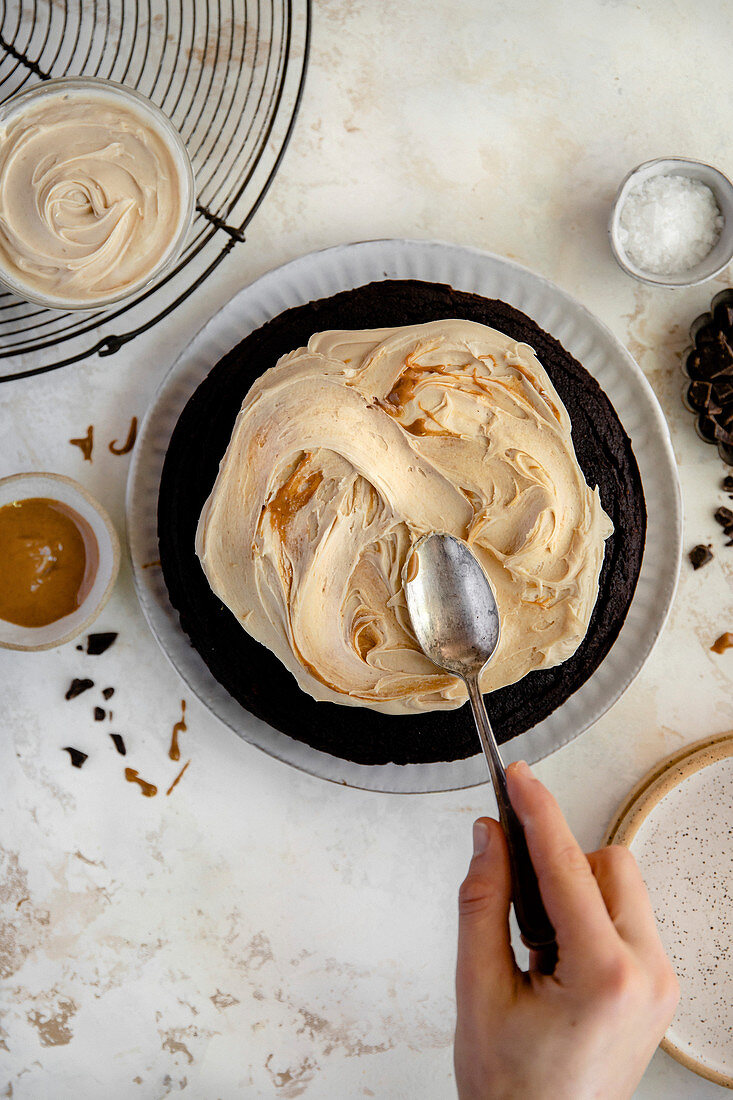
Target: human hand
[(589, 1029)]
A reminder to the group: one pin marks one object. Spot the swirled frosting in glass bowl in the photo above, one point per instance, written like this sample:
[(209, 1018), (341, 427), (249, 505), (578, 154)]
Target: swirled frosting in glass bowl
[(94, 193), (346, 452)]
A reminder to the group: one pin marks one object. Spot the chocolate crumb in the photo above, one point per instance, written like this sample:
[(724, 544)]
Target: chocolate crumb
[(108, 692), (728, 483), (725, 641), (149, 790), (98, 643), (76, 687), (699, 556), (77, 756), (85, 443), (119, 743), (80, 648), (99, 714), (724, 517), (129, 443)]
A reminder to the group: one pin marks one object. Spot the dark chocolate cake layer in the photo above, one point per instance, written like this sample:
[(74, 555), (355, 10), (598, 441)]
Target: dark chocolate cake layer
[(253, 675)]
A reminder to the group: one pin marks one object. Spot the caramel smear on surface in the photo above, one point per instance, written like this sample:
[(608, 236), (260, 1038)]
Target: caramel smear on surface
[(49, 558), (129, 442), (178, 778), (85, 443), (725, 641), (174, 751), (146, 789)]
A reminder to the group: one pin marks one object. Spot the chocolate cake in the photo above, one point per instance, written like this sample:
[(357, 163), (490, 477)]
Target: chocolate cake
[(249, 671)]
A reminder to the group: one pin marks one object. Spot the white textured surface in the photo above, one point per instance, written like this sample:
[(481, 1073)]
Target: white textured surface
[(684, 850), (260, 932)]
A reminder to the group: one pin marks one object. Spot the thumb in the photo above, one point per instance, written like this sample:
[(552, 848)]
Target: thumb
[(486, 969)]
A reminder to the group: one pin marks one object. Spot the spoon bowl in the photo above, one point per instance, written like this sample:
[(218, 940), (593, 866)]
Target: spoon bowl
[(452, 605)]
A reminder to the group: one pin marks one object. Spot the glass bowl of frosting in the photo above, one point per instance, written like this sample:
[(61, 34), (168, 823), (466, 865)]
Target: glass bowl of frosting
[(96, 193), (60, 555)]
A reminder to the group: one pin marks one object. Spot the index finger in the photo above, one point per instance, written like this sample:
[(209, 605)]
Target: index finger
[(568, 887)]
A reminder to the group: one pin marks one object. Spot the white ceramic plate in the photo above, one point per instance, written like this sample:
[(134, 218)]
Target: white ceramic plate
[(678, 827), (344, 267)]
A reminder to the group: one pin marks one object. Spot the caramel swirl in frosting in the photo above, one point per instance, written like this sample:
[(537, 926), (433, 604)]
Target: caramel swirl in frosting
[(349, 450), (90, 197)]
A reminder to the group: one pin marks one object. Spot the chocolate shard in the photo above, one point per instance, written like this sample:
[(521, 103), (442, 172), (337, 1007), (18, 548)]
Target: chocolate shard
[(723, 315), (724, 516), (699, 556), (692, 364), (108, 692), (723, 389), (119, 743), (77, 756), (726, 351), (698, 393), (76, 687), (706, 335), (98, 643), (728, 483), (99, 714), (724, 434)]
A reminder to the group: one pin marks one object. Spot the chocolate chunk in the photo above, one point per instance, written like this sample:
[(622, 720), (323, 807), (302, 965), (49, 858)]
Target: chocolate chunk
[(698, 393), (99, 714), (722, 388), (76, 687), (728, 483), (108, 692), (77, 756), (723, 315), (98, 643), (699, 556), (725, 641), (119, 743), (724, 517)]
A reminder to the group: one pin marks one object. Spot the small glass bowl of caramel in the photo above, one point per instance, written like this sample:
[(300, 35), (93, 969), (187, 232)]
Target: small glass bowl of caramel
[(60, 558)]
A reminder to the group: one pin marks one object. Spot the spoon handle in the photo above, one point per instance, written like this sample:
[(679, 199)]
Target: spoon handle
[(534, 924)]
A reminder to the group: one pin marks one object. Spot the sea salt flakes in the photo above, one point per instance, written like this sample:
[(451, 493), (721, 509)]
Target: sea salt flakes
[(669, 223)]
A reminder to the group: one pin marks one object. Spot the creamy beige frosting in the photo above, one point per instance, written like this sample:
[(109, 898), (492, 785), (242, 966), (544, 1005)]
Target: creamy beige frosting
[(90, 197), (349, 450)]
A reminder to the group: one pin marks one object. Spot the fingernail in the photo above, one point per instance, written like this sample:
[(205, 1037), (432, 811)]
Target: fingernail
[(480, 837), (523, 768)]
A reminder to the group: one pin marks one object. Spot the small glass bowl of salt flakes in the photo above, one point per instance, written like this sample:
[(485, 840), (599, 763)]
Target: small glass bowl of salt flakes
[(672, 222)]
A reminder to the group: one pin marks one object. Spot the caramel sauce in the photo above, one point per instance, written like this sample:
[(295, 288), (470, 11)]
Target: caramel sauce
[(420, 426), (413, 564), (725, 641), (365, 640), (49, 558), (174, 751), (85, 443), (129, 442), (293, 495), (146, 789), (178, 778)]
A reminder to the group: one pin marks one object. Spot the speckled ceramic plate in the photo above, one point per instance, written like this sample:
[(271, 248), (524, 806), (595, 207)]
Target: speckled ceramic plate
[(678, 825), (323, 273)]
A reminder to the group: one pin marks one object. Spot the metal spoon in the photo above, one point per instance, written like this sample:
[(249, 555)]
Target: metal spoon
[(456, 622)]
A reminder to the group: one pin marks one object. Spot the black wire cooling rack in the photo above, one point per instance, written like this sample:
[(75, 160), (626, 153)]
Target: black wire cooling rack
[(228, 73)]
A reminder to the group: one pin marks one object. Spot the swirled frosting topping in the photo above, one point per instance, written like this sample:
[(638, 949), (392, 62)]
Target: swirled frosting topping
[(90, 197), (350, 449)]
